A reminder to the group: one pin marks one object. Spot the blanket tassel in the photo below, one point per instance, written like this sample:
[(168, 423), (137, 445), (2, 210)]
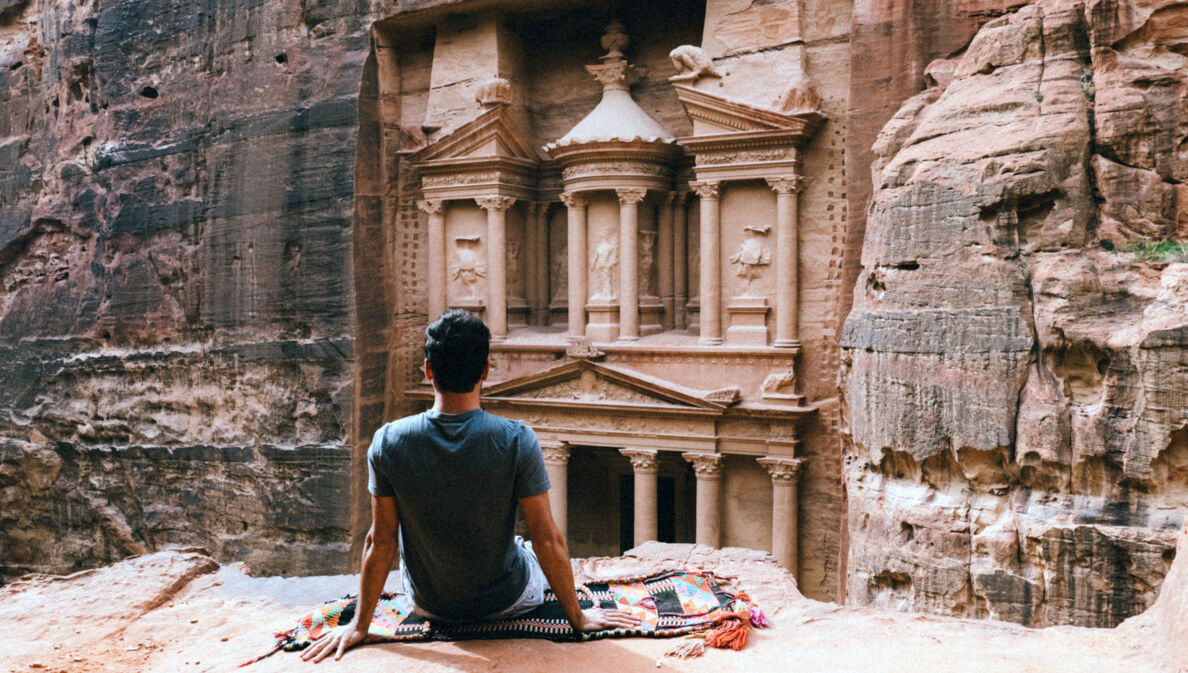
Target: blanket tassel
[(731, 633), (690, 646)]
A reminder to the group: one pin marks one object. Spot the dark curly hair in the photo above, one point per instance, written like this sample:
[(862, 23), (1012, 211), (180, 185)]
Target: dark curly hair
[(457, 346)]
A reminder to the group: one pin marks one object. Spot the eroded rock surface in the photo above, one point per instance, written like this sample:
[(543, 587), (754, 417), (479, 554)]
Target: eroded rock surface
[(1016, 385), (176, 191)]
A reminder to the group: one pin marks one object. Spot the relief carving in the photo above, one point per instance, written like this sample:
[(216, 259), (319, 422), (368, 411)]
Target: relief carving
[(514, 276), (582, 348), (779, 384), (691, 64), (559, 275), (614, 168), (468, 269), (458, 179), (647, 263), (606, 269), (742, 157), (751, 257), (588, 388)]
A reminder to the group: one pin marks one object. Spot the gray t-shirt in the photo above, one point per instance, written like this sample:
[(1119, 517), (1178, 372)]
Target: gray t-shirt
[(456, 479)]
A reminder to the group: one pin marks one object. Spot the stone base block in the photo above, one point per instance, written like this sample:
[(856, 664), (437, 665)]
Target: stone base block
[(475, 306), (748, 322), (517, 312), (693, 316), (651, 316), (602, 324), (559, 314)]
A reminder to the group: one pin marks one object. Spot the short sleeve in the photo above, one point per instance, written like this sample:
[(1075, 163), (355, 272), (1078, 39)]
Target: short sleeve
[(531, 476), (377, 480)]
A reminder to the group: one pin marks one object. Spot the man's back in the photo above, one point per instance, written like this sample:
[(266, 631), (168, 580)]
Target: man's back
[(456, 480)]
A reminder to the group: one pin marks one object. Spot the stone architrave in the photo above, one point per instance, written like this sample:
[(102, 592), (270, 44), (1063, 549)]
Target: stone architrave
[(785, 474), (787, 260), (645, 468), (710, 292), (575, 204), (556, 458), (629, 199), (707, 468), (437, 256)]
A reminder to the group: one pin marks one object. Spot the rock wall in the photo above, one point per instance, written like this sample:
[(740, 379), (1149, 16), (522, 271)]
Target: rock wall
[(1016, 383), (176, 290)]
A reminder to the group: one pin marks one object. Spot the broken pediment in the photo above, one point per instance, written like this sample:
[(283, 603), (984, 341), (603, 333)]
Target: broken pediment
[(488, 155), (713, 114), (491, 135), (585, 383)]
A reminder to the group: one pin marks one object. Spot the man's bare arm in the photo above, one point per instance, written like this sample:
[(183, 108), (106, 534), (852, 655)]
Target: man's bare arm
[(551, 549), (378, 551)]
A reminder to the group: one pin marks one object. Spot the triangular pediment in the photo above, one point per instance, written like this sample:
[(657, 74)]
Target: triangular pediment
[(586, 383), (714, 114), (491, 135)]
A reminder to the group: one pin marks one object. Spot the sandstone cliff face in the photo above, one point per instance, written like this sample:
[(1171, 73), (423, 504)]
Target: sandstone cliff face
[(1016, 384), (176, 193)]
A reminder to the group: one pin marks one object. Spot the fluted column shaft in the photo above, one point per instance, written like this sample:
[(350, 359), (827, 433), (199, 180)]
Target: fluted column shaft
[(575, 203), (496, 207), (680, 257), (711, 264), (708, 470), (556, 458), (785, 530), (645, 469), (437, 256), (664, 258), (787, 260), (629, 262)]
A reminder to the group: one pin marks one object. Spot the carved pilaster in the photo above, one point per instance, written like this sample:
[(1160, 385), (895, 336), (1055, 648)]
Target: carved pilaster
[(496, 207), (577, 276), (711, 263), (787, 316), (629, 199), (437, 256)]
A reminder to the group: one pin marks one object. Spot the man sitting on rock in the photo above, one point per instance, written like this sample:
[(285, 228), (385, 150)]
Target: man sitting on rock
[(452, 477)]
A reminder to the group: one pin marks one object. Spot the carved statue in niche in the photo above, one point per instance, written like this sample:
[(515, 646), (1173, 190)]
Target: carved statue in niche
[(691, 64), (515, 279), (647, 262), (751, 257), (606, 269), (468, 268), (559, 275)]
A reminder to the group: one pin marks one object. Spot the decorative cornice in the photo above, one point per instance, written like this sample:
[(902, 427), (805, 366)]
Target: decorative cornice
[(574, 199), (555, 453), (783, 470), (792, 184), (708, 189), (629, 196), (495, 203), (643, 461), (431, 206), (706, 466)]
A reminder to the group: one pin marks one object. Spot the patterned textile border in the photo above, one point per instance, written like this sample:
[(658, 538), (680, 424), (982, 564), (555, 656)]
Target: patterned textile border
[(668, 604)]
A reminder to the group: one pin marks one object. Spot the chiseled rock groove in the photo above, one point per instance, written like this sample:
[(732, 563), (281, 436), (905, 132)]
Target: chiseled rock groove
[(1016, 384)]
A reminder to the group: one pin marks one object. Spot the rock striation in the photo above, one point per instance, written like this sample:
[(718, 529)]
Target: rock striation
[(176, 298), (1013, 371)]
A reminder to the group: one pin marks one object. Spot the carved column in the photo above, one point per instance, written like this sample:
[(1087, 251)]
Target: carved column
[(532, 259), (540, 302), (645, 467), (785, 473), (496, 207), (708, 470), (664, 257), (711, 264), (556, 458), (787, 260), (680, 257), (629, 199), (576, 248), (437, 256)]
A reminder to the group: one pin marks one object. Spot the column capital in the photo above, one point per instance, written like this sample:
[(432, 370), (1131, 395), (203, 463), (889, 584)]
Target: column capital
[(574, 199), (790, 184), (783, 470), (706, 466), (431, 206), (643, 461), (629, 196), (494, 203), (706, 189), (555, 453)]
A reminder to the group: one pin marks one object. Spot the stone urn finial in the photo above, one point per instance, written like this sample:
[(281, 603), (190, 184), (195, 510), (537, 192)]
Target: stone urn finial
[(615, 40)]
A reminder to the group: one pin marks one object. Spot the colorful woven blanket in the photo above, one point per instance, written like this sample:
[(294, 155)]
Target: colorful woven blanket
[(668, 604)]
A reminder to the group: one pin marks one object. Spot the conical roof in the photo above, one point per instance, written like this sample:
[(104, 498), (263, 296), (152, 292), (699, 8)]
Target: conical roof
[(617, 117)]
